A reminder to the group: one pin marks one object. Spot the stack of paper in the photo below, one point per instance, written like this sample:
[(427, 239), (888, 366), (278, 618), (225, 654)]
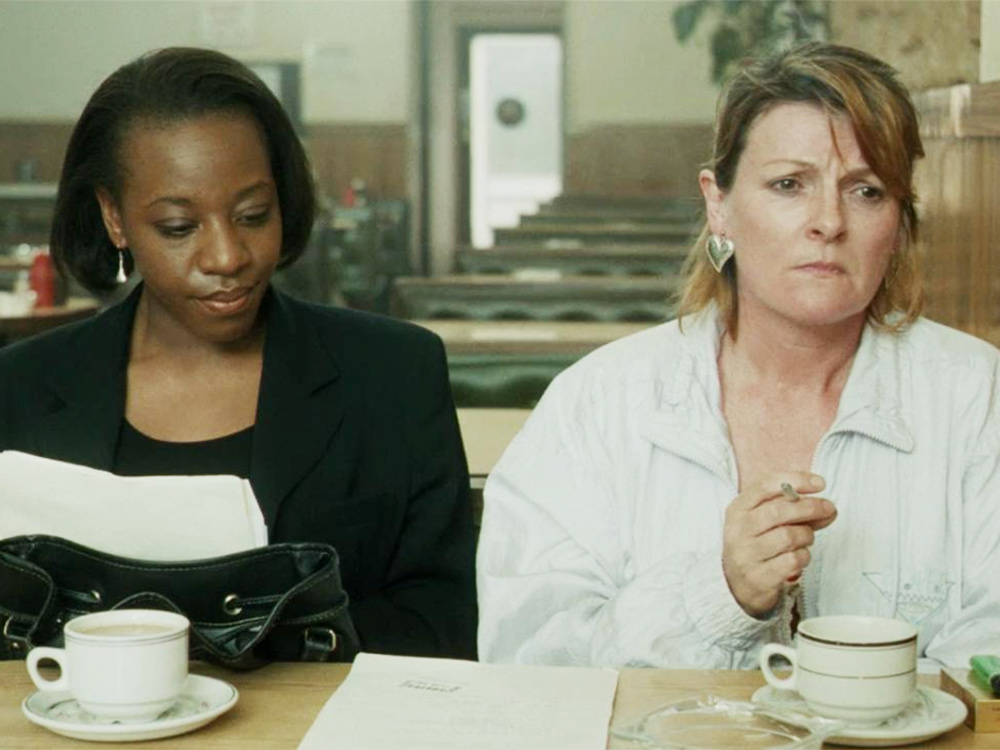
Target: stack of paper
[(390, 702), (146, 518)]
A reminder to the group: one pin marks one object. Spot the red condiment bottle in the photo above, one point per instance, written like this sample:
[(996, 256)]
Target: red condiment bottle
[(42, 277)]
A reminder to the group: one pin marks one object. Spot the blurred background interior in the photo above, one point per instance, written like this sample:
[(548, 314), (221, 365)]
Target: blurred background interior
[(520, 177)]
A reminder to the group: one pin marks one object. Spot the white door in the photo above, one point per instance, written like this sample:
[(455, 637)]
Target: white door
[(515, 128)]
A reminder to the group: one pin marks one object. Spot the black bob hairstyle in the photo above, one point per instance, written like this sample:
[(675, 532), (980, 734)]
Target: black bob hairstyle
[(162, 87)]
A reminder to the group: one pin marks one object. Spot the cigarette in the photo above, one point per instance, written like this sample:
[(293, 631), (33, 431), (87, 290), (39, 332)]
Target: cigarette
[(789, 491)]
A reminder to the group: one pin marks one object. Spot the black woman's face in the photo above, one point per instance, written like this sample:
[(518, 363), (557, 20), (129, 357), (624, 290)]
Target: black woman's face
[(199, 212)]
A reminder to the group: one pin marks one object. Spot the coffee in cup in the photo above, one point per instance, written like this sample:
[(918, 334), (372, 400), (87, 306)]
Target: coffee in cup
[(125, 665), (851, 667)]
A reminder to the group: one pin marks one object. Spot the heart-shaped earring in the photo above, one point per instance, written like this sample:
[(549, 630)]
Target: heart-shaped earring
[(719, 249)]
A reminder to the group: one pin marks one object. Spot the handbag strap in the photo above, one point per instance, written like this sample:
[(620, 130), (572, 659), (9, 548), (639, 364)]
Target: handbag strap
[(26, 602), (318, 644)]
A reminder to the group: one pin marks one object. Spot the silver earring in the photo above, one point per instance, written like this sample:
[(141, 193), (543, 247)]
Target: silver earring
[(719, 249), (121, 278)]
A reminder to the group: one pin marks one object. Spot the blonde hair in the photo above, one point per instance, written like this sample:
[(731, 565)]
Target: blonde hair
[(843, 81)]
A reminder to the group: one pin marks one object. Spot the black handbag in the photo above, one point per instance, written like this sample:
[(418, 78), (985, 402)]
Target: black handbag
[(284, 602)]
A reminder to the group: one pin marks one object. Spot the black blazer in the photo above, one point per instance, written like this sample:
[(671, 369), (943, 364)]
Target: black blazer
[(356, 444)]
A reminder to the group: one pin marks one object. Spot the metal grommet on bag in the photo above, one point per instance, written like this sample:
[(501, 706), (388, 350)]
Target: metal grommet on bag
[(231, 605), (97, 596)]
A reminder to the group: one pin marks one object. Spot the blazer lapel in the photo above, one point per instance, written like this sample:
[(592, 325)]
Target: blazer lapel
[(300, 406), (85, 430)]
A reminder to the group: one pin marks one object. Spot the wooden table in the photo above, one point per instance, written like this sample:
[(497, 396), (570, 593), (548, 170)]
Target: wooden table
[(574, 338), (279, 703), (43, 318)]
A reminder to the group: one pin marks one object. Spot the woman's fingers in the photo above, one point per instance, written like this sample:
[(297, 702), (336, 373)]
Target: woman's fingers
[(784, 539), (768, 531), (771, 487), (816, 512)]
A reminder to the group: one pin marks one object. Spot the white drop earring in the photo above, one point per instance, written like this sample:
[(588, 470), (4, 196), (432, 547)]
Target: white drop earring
[(121, 278)]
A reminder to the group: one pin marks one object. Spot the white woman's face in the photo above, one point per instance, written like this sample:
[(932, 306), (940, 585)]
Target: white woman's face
[(813, 226)]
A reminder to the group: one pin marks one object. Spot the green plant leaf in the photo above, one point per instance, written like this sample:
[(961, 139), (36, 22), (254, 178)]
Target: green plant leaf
[(736, 7), (685, 18), (727, 48)]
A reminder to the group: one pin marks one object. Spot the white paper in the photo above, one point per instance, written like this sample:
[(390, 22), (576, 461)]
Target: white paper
[(146, 518), (390, 702)]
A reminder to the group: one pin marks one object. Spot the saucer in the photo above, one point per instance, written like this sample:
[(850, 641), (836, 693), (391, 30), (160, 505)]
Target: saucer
[(929, 713), (203, 699)]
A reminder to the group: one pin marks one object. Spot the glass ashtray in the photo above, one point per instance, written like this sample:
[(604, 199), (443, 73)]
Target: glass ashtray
[(709, 722)]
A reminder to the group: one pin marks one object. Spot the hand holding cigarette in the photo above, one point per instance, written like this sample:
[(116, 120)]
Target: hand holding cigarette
[(768, 531)]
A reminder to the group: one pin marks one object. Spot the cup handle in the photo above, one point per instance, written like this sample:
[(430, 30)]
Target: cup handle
[(55, 654), (773, 649)]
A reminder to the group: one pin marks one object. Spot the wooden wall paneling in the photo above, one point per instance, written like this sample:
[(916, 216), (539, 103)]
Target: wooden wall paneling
[(621, 160), (991, 237), (984, 260), (958, 186), (373, 152), (43, 143), (946, 235)]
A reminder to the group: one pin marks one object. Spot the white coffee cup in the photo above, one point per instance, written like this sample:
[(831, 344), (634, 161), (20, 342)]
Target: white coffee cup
[(127, 665), (851, 667)]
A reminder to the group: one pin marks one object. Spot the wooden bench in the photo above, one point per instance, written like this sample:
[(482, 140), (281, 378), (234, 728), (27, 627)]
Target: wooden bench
[(511, 363), (626, 217), (497, 297), (614, 233), (591, 201), (621, 260)]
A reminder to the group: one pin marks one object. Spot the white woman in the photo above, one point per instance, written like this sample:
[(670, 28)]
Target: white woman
[(798, 443)]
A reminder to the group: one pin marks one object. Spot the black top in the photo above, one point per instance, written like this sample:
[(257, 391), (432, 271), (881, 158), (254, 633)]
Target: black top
[(140, 455), (355, 445)]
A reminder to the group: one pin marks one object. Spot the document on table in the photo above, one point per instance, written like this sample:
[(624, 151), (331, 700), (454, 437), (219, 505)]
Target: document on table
[(390, 702), (150, 518)]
